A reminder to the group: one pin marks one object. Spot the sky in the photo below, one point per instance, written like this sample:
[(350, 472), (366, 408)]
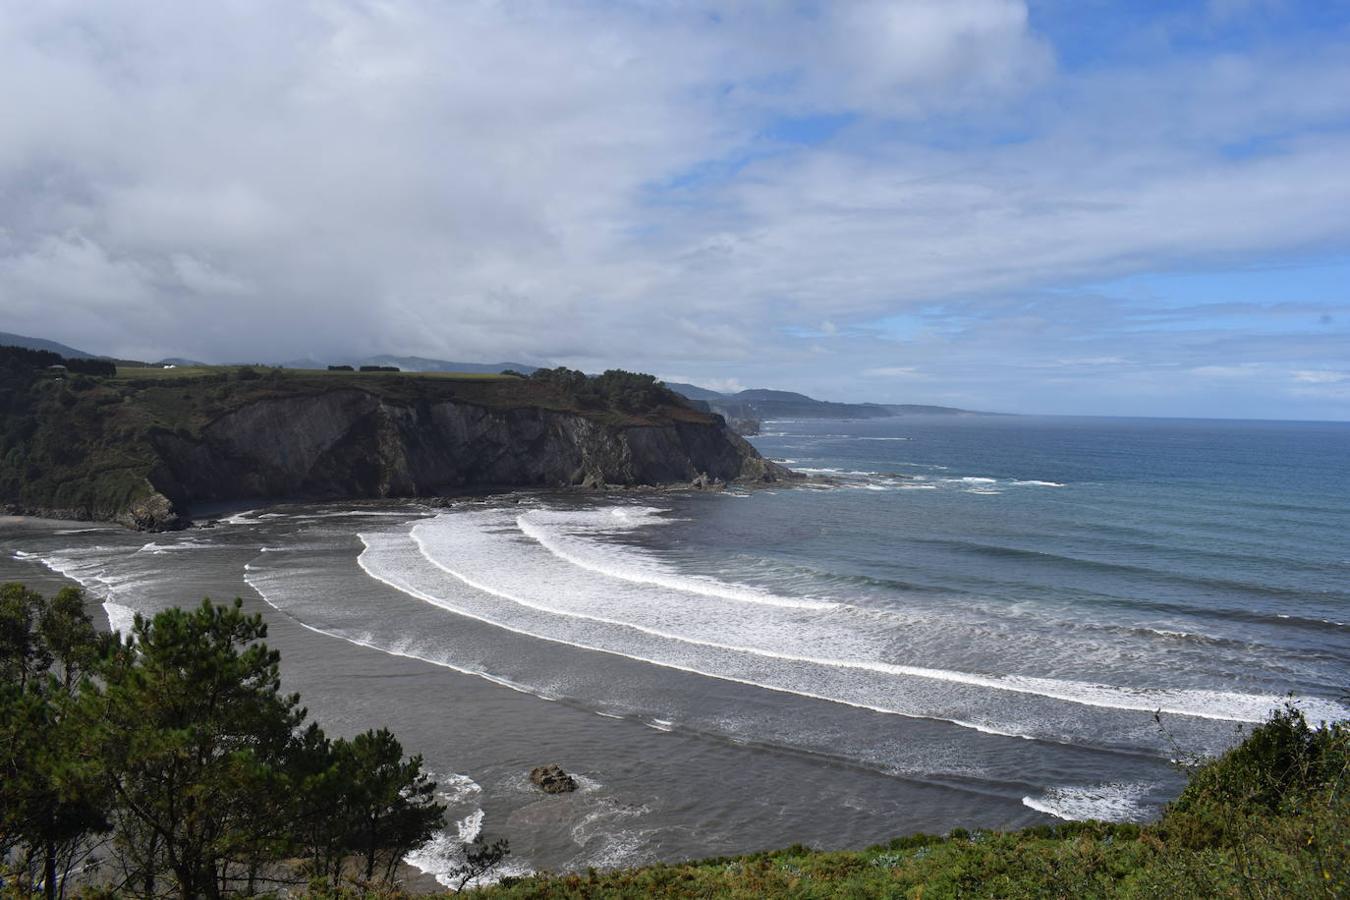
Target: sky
[(1041, 206)]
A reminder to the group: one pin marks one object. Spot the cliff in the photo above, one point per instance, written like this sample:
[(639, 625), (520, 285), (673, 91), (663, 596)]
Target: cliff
[(144, 447)]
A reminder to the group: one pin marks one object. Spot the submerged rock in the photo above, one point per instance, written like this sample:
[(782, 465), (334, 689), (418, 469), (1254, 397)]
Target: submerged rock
[(552, 780)]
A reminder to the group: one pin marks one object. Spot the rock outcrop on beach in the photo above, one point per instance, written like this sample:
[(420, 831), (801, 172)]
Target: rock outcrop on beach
[(144, 451)]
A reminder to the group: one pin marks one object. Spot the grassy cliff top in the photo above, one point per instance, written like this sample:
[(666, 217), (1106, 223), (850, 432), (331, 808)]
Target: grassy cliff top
[(192, 396)]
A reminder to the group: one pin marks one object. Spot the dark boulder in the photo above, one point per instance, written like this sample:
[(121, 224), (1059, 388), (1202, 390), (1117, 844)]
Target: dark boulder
[(552, 780)]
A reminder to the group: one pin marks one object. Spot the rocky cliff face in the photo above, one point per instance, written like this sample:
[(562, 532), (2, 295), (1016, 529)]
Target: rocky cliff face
[(351, 443)]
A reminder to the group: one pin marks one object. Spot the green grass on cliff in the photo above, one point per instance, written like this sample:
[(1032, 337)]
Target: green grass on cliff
[(1270, 819)]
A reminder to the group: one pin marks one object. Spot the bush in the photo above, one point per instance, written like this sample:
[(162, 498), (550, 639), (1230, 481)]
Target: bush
[(1275, 768), (1278, 770)]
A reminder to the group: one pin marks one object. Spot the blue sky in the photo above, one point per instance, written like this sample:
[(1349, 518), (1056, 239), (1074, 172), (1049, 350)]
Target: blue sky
[(1063, 207)]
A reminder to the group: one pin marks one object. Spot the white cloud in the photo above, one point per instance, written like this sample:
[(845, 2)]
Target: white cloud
[(1248, 370), (894, 372), (566, 182), (1321, 377)]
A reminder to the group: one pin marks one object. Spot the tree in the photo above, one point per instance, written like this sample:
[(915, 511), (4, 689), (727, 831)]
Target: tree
[(180, 742), (51, 798), (195, 732), (390, 802), (480, 858), (321, 824)]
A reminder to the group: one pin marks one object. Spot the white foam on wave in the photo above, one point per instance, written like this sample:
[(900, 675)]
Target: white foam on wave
[(157, 548), (1031, 482), (570, 536), (92, 569), (810, 470), (445, 852), (468, 828), (363, 513), (120, 618), (1113, 802), (973, 479), (573, 620), (455, 787), (259, 583), (440, 856), (370, 567)]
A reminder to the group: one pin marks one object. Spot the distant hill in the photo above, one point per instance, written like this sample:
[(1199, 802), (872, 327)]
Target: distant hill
[(694, 392), (31, 343), (763, 403)]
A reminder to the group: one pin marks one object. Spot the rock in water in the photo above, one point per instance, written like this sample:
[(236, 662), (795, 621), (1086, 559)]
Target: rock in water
[(552, 780)]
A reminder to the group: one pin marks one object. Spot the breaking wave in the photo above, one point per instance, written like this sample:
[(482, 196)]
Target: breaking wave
[(482, 565), (1113, 802)]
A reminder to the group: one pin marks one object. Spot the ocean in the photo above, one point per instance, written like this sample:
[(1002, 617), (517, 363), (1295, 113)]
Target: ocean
[(984, 622)]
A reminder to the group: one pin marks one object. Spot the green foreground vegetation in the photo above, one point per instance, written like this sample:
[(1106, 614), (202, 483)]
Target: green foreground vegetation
[(169, 763)]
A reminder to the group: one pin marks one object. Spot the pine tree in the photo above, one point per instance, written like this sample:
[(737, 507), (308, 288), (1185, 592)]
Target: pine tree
[(390, 803), (195, 733), (51, 793)]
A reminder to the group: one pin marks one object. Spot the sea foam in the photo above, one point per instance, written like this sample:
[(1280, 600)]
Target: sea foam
[(565, 535), (1113, 802), (640, 624)]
